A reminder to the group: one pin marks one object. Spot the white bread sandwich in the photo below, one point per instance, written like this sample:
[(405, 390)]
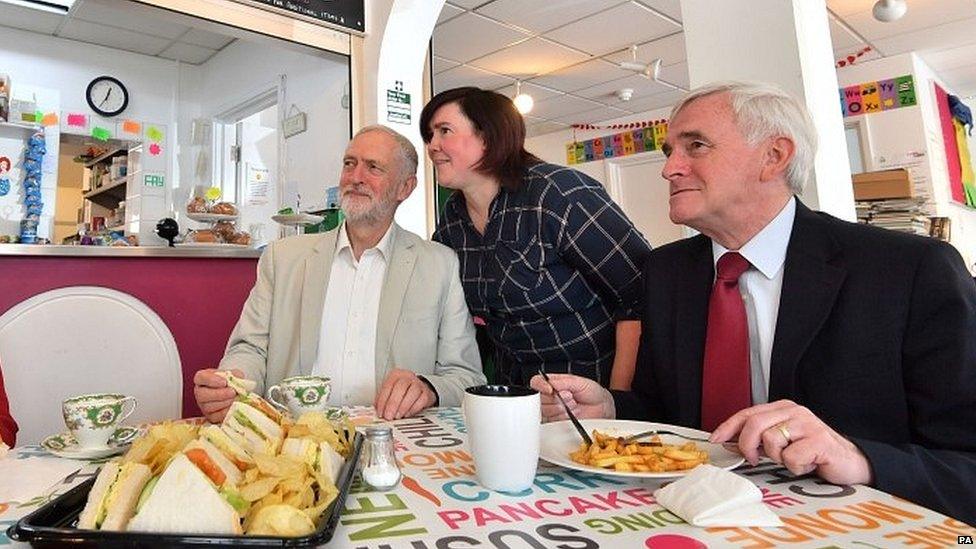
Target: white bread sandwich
[(254, 400), (218, 468), (231, 444), (184, 500), (112, 499), (260, 433), (241, 385), (321, 457)]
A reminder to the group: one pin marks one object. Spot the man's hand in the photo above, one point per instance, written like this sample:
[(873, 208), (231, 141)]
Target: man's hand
[(213, 395), (584, 397), (791, 435), (403, 394)]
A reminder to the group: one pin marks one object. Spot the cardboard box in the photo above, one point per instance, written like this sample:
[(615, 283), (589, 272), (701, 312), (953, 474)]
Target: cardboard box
[(882, 184)]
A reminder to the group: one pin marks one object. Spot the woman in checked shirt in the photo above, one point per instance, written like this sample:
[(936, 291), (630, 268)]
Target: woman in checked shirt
[(548, 260)]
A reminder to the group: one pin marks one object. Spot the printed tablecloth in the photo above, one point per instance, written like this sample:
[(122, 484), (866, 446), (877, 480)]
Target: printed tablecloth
[(440, 505)]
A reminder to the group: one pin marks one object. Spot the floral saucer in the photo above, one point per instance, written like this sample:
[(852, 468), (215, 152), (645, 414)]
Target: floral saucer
[(64, 444)]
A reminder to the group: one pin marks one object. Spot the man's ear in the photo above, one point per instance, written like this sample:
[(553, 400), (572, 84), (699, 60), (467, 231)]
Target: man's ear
[(406, 188), (776, 158)]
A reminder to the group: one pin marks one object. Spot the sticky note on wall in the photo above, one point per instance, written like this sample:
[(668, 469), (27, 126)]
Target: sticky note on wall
[(49, 119), (77, 120), (131, 126), (154, 134), (101, 133)]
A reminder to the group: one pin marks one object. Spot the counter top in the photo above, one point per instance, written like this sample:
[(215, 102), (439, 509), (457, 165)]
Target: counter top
[(126, 251)]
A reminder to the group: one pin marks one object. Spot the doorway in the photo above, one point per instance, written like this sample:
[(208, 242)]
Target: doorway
[(636, 184)]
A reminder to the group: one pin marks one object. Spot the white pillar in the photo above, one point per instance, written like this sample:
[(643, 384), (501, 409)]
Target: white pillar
[(391, 58), (785, 42)]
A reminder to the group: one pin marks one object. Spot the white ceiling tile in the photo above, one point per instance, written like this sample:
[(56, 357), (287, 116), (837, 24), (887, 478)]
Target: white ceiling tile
[(469, 4), (607, 92), (188, 53), (448, 12), (464, 75), (840, 37), (950, 59), (538, 93), (530, 58), (950, 35), (581, 76), (543, 128), (670, 49), (440, 64), (922, 14), (594, 116), (654, 102), (563, 105), (542, 16), (847, 7), (113, 37), (131, 16), (470, 36), (206, 39), (961, 81), (29, 19), (614, 29), (676, 74), (671, 8)]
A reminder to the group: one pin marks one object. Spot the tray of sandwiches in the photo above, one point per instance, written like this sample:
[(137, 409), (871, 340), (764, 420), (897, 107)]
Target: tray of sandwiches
[(260, 479)]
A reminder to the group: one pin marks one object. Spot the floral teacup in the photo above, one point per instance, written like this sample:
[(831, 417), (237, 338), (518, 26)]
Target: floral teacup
[(92, 419), (300, 394)]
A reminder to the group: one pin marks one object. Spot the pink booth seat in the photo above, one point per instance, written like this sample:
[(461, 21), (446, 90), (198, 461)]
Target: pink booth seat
[(198, 298)]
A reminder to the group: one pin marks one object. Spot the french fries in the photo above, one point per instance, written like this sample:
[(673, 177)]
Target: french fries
[(610, 452)]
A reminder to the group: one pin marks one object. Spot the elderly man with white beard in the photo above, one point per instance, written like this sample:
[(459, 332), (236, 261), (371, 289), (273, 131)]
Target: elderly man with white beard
[(372, 306)]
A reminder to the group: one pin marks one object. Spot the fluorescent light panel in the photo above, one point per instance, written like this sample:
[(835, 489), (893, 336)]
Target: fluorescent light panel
[(59, 7)]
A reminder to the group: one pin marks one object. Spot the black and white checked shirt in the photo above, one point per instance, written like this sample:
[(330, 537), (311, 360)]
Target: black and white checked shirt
[(559, 264)]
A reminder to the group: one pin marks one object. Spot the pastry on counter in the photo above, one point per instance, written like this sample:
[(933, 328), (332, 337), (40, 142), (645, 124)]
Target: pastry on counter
[(242, 238), (203, 235), (225, 230), (197, 205), (224, 208)]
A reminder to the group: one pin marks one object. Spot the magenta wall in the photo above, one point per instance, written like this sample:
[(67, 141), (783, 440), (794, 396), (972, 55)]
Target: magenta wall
[(199, 299)]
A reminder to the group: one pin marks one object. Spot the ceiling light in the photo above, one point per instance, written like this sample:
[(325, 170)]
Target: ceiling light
[(889, 10), (523, 101), (59, 7)]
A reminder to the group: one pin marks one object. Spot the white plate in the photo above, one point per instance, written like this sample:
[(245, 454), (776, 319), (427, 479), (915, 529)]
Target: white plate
[(208, 245), (560, 438), (64, 444), (207, 217), (297, 219)]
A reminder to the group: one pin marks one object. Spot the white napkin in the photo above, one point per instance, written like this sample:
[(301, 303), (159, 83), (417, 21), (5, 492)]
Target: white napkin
[(709, 496), (24, 479)]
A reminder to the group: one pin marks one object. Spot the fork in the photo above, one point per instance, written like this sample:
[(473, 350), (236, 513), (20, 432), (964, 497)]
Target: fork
[(632, 438), (576, 423)]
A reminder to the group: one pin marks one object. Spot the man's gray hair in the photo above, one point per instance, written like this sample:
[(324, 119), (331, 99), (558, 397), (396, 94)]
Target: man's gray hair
[(762, 111), (405, 149)]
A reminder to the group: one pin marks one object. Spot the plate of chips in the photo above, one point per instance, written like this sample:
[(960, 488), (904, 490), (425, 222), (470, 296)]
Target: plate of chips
[(662, 456)]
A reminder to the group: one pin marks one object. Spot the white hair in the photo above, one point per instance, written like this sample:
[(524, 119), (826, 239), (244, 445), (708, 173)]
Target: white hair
[(763, 111), (406, 151)]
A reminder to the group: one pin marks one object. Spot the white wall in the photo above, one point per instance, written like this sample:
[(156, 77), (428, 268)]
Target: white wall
[(912, 136)]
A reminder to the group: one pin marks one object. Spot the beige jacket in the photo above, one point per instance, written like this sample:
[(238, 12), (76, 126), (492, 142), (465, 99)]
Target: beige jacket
[(423, 323)]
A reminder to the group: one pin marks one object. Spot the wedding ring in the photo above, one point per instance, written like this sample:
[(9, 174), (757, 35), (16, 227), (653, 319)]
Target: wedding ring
[(785, 432)]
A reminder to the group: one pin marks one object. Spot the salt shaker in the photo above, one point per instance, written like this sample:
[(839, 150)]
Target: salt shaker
[(380, 470)]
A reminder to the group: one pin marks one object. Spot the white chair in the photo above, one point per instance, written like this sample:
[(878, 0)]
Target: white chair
[(86, 339)]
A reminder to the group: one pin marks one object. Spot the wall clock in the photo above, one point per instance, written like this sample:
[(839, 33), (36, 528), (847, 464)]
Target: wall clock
[(107, 96)]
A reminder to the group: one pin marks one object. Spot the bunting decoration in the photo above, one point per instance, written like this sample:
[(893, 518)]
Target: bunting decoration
[(639, 137), (850, 59)]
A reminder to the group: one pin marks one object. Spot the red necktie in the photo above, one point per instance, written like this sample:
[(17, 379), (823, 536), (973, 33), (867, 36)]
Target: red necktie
[(726, 378)]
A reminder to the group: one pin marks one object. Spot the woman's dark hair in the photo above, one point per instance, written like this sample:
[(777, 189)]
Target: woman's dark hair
[(498, 124)]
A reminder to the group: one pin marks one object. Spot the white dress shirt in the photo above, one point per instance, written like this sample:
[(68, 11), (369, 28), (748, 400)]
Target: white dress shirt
[(347, 341), (761, 286)]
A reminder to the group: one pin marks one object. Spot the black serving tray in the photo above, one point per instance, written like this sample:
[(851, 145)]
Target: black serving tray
[(53, 525)]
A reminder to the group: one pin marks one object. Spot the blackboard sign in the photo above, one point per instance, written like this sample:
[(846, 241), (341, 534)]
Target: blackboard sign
[(349, 14)]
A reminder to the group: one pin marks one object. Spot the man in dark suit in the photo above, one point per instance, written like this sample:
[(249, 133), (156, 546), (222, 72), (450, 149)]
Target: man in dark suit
[(830, 347)]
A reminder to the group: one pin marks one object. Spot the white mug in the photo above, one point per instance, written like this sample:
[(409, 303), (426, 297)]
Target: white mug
[(503, 423)]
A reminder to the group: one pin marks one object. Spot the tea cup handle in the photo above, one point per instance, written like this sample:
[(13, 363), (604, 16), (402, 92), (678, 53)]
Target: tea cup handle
[(132, 403), (276, 390)]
